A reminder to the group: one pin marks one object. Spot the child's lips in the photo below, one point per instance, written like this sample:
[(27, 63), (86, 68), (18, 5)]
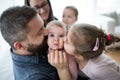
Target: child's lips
[(55, 44)]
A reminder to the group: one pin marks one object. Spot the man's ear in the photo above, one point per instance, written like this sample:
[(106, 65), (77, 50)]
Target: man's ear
[(18, 45)]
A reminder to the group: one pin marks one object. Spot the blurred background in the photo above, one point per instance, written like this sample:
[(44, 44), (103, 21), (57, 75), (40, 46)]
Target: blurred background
[(85, 7), (90, 11), (104, 14)]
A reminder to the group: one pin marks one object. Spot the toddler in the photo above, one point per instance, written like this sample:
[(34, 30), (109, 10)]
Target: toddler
[(57, 32)]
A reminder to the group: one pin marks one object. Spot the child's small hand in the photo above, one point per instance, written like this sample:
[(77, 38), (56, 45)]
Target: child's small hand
[(58, 59)]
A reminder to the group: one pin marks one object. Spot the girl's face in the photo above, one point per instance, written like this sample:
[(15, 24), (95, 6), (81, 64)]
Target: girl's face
[(69, 48), (69, 17), (56, 33), (42, 8)]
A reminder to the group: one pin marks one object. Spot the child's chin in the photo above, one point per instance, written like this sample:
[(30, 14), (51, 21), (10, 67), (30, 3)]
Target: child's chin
[(57, 48), (54, 47)]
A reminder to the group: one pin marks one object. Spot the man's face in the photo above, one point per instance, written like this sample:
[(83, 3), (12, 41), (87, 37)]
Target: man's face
[(36, 40)]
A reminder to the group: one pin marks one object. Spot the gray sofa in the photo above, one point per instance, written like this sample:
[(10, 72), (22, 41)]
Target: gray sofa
[(115, 15)]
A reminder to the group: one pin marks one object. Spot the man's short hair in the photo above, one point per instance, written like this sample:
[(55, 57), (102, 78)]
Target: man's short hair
[(13, 23)]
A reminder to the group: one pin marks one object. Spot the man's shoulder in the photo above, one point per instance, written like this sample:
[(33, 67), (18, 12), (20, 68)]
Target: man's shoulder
[(41, 71)]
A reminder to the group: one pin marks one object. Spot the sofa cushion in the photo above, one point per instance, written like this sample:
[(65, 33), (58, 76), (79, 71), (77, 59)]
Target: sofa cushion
[(113, 15), (118, 16)]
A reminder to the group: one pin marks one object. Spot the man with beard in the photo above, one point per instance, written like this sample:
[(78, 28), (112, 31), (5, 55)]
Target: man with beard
[(24, 31)]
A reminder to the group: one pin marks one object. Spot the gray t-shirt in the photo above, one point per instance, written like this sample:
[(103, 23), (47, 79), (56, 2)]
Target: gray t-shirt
[(102, 68)]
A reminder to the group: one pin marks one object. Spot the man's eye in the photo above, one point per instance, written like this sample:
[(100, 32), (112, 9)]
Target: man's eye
[(41, 31), (36, 7)]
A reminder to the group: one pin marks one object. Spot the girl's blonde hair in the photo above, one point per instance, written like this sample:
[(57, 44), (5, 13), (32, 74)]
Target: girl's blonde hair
[(90, 41), (57, 23)]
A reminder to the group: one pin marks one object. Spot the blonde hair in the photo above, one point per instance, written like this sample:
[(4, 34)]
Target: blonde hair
[(57, 23), (84, 38)]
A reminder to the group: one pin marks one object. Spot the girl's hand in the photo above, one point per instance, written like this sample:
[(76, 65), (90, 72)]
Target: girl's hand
[(58, 59)]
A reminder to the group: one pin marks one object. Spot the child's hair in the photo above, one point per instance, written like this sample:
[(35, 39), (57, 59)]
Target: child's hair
[(55, 22), (73, 8), (90, 41)]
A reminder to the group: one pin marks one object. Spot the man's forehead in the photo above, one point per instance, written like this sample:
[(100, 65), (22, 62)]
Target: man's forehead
[(35, 21), (35, 24)]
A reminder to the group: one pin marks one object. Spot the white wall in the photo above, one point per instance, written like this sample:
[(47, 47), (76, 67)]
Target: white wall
[(4, 4), (18, 2), (85, 7), (107, 5)]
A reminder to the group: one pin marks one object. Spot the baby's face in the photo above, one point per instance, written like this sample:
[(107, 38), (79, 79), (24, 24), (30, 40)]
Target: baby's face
[(55, 36)]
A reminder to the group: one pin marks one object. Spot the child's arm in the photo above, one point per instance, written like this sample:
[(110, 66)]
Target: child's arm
[(58, 59)]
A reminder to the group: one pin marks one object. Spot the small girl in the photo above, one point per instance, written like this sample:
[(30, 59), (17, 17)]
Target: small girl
[(57, 32), (86, 42), (70, 16)]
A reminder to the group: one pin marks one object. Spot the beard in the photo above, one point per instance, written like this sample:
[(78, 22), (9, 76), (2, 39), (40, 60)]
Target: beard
[(38, 48)]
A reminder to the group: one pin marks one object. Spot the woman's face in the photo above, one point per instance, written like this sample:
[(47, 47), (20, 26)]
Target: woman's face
[(68, 46), (42, 7)]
